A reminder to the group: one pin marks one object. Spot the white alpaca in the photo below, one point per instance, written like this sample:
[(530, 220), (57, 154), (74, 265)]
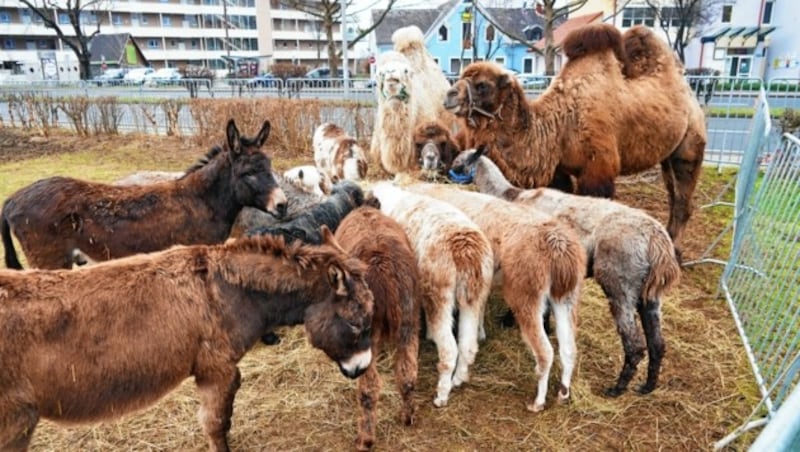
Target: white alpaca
[(309, 179), (411, 90), (338, 154), (456, 265)]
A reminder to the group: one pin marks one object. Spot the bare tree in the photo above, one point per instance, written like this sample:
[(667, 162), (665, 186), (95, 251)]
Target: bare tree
[(329, 13), (686, 17), (78, 13)]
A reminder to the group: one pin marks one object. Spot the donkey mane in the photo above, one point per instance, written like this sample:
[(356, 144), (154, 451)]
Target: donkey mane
[(203, 161)]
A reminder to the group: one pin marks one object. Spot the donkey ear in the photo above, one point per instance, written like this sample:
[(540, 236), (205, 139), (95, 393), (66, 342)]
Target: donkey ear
[(263, 134), (336, 277), (329, 239), (232, 134)]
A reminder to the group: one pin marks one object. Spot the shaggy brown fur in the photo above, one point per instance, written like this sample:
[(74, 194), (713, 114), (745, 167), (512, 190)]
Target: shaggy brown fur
[(95, 343), (435, 147), (542, 263), (593, 123), (630, 256), (53, 216), (393, 278)]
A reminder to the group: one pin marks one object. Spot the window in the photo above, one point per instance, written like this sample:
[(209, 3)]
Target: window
[(63, 18), (25, 14), (638, 16), (726, 13), (443, 32), (5, 18), (9, 44), (533, 33), (527, 65), (166, 21), (489, 33), (194, 43), (191, 20), (116, 19), (152, 44), (44, 44), (500, 60), (767, 17)]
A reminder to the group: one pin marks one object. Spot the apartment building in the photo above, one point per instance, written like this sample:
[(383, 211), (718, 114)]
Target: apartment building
[(170, 33)]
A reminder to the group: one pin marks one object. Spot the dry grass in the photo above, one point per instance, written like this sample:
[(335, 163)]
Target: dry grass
[(293, 398)]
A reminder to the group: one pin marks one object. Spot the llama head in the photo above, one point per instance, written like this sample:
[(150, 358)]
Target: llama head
[(435, 148), (463, 169), (394, 76), (308, 179)]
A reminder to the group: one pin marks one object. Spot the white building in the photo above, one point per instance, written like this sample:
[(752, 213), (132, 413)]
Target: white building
[(169, 33), (752, 38)]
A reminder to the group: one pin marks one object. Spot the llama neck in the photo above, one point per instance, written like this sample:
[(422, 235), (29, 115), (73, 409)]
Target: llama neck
[(491, 181)]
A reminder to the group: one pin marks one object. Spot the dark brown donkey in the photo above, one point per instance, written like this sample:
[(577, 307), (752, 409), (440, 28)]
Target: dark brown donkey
[(393, 277), (104, 340), (54, 216)]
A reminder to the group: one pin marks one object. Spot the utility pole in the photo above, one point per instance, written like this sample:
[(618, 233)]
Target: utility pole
[(227, 36)]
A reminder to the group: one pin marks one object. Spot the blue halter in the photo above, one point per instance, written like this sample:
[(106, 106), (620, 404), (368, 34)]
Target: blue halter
[(462, 178)]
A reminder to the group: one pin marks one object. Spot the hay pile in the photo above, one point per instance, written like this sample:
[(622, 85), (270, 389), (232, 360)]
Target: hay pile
[(293, 398)]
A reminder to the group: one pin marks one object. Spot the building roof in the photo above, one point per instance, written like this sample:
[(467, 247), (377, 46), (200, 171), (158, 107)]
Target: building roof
[(111, 48), (513, 19), (565, 28), (398, 18)]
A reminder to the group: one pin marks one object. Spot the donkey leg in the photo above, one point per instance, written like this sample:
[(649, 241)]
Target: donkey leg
[(406, 362), (623, 311), (650, 315), (217, 391), (16, 427), (368, 388), (531, 328), (565, 314)]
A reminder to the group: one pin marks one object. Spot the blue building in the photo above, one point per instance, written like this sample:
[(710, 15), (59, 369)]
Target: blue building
[(459, 32)]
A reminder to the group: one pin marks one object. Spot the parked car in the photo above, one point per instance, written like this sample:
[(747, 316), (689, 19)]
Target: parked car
[(264, 81), (137, 75), (530, 81), (321, 78), (163, 76), (110, 77)]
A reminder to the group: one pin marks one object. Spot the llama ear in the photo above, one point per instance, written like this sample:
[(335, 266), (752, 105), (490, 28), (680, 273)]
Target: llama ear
[(263, 134), (232, 134), (336, 277), (300, 174), (476, 155)]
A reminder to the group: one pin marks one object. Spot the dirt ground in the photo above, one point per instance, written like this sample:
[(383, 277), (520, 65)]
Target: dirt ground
[(293, 398)]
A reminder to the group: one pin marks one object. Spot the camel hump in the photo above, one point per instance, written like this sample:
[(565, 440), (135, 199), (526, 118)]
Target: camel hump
[(408, 37), (646, 53), (593, 38)]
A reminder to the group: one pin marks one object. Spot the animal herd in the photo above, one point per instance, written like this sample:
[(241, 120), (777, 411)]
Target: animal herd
[(136, 286)]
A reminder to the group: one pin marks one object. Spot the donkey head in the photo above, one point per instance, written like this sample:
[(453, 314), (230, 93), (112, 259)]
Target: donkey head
[(254, 184), (341, 325)]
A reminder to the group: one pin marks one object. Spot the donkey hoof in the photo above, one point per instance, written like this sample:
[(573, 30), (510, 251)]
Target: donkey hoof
[(614, 391), (534, 407), (364, 444), (646, 388), (440, 402)]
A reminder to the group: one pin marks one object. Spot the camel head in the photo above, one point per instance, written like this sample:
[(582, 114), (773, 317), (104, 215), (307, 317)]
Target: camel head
[(394, 76), (480, 91)]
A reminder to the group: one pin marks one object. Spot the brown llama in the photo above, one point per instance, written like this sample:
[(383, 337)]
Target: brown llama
[(53, 216), (436, 149), (542, 264), (95, 343), (619, 106), (456, 265), (392, 276), (630, 256)]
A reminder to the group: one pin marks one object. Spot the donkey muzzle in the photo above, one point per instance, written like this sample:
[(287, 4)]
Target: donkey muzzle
[(357, 364), (277, 203)]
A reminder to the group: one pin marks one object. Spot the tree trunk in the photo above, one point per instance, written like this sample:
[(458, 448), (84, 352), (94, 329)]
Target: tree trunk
[(549, 45), (333, 64)]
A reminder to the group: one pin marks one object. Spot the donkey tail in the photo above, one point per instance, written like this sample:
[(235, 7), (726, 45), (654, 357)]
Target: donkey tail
[(664, 267), (567, 260), (8, 245)]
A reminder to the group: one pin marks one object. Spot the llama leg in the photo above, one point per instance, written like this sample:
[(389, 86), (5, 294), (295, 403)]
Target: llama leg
[(531, 328), (369, 386), (16, 427), (565, 314), (440, 326), (469, 321), (406, 365), (650, 315), (217, 391), (623, 311)]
